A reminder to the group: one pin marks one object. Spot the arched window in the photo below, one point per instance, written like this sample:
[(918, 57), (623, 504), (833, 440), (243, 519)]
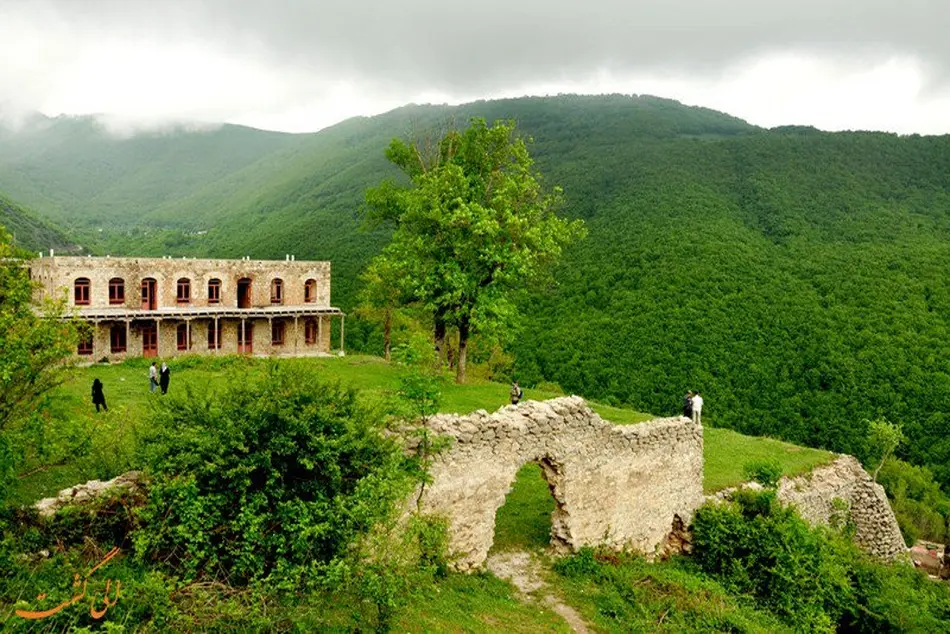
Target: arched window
[(81, 293), (116, 290), (184, 291), (277, 291), (214, 291), (310, 291)]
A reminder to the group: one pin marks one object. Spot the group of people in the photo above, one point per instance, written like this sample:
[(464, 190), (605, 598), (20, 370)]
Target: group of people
[(693, 406), (157, 378)]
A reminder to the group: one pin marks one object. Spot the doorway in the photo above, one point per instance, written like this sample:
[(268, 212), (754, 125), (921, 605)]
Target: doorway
[(149, 299), (529, 518), (149, 339), (244, 292), (245, 338)]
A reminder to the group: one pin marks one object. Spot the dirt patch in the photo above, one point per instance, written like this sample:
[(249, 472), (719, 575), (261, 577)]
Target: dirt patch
[(523, 570)]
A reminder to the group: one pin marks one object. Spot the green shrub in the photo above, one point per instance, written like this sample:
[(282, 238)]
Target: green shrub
[(814, 579), (279, 474), (755, 546), (766, 472)]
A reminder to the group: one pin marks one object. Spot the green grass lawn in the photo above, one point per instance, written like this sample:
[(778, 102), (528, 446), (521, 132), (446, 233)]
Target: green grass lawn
[(113, 434), (726, 453)]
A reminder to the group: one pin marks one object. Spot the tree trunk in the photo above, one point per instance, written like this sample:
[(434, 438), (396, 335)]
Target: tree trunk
[(439, 341), (388, 334), (463, 351)]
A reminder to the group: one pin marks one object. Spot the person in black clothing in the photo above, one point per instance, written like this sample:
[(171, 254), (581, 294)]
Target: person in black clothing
[(688, 405), (98, 398), (163, 377)]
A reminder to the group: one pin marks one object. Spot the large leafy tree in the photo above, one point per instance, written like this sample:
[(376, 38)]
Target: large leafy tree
[(33, 346), (472, 225)]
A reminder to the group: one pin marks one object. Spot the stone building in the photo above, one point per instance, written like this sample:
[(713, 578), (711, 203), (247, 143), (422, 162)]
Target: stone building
[(167, 307)]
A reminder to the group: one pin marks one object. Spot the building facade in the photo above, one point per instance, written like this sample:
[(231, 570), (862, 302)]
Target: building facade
[(166, 307)]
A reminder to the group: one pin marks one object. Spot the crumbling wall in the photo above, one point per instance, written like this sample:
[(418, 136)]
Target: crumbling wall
[(618, 485), (876, 529)]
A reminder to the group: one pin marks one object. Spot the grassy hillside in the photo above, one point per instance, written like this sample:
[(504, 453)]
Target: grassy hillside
[(797, 278), (112, 435)]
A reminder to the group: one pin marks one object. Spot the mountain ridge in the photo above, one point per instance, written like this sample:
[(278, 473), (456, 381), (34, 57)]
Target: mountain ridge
[(796, 277)]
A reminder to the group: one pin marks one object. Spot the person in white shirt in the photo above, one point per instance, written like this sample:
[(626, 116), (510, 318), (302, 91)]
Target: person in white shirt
[(697, 408)]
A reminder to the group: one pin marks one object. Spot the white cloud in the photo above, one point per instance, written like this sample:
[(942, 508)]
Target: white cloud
[(301, 66)]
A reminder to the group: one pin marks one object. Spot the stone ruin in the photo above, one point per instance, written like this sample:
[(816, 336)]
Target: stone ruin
[(623, 486), (861, 499)]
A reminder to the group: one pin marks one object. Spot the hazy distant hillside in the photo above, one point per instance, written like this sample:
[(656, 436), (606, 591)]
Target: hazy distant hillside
[(74, 171), (30, 232), (798, 278)]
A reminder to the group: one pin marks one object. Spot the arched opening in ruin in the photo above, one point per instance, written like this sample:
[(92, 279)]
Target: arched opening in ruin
[(532, 517)]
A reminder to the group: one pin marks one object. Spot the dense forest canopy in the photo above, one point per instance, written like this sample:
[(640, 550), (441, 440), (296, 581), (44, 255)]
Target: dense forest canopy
[(797, 278)]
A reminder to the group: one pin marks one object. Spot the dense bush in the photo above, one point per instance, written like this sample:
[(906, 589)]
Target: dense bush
[(278, 474), (814, 579), (921, 507)]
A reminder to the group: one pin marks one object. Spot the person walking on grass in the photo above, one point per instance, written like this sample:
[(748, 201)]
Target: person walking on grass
[(164, 376), (152, 377), (98, 398), (697, 409)]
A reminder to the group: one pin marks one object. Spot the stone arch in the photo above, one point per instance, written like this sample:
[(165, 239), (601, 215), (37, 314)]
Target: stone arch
[(616, 485)]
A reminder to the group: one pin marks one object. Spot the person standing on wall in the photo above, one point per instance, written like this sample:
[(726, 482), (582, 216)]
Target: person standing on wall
[(688, 404), (697, 409), (98, 398), (152, 377), (164, 377)]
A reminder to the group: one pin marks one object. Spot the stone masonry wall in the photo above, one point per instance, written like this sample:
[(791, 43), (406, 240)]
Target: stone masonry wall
[(57, 275), (618, 485), (877, 532)]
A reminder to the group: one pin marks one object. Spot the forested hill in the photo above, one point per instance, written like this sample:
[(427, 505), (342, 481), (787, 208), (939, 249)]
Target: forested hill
[(30, 232), (797, 278)]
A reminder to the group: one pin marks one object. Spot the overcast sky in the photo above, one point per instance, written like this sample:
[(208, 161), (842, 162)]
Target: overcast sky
[(300, 65)]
